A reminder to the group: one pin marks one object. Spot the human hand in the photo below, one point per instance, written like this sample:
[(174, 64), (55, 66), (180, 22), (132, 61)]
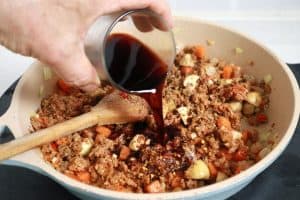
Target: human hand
[(54, 32)]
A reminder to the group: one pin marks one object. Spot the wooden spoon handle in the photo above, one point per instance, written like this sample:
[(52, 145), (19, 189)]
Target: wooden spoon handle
[(52, 133), (47, 135)]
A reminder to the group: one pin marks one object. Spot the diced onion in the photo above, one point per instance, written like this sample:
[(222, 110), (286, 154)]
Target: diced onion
[(54, 160), (264, 136), (168, 106), (210, 42), (210, 70), (238, 50), (183, 112), (136, 142), (254, 98), (198, 170), (226, 81), (210, 82), (267, 78), (86, 146), (193, 135), (187, 60), (236, 135), (236, 106), (191, 81)]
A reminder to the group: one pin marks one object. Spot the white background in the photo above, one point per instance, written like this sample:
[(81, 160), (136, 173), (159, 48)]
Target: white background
[(275, 23)]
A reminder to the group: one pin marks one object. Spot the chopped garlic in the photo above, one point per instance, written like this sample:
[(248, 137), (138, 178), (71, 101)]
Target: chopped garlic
[(236, 106), (183, 112), (168, 106), (210, 42), (191, 81), (267, 78), (226, 81), (114, 155), (254, 98), (86, 146), (136, 142), (148, 141), (193, 135), (198, 170), (238, 50), (210, 70), (41, 91), (187, 60), (47, 73), (54, 160), (221, 176), (210, 82), (248, 109), (236, 135)]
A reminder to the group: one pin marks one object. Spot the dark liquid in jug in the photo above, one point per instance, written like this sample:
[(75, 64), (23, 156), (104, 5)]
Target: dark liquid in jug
[(136, 68)]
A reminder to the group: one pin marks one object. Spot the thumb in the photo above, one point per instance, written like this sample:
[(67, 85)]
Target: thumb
[(77, 70)]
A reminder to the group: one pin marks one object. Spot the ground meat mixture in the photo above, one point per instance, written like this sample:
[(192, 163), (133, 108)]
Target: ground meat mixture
[(204, 102)]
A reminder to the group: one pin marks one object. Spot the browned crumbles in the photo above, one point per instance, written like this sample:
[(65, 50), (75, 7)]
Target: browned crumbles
[(204, 102)]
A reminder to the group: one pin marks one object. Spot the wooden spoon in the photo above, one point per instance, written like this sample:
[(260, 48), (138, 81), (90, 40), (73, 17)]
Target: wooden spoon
[(114, 108)]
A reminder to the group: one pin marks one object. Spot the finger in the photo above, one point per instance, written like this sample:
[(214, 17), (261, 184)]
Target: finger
[(78, 71), (157, 23), (142, 23), (160, 7)]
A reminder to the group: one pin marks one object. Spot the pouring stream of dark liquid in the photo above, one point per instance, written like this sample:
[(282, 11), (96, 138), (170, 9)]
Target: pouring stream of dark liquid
[(136, 68)]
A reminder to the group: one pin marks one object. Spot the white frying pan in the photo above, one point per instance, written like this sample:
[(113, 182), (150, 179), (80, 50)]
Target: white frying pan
[(284, 110)]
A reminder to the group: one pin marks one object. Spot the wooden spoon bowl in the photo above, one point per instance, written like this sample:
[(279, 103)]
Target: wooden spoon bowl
[(114, 108)]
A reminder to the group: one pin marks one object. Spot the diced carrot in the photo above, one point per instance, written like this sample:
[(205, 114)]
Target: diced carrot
[(84, 176), (175, 181), (185, 70), (62, 141), (212, 170), (69, 174), (227, 72), (223, 122), (88, 133), (245, 136), (120, 188), (240, 154), (124, 153), (199, 51), (226, 154), (63, 86), (261, 118), (104, 131), (154, 187), (253, 135), (54, 146), (124, 95), (237, 170)]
